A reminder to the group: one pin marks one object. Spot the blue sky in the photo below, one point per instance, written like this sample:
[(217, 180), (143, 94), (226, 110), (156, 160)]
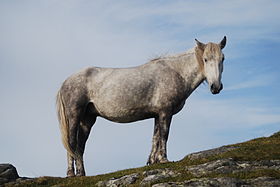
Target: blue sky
[(43, 42)]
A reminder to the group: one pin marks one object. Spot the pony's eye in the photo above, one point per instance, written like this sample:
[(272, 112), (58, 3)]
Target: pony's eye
[(205, 59)]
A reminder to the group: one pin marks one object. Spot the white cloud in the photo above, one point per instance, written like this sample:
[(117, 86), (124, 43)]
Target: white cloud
[(248, 19), (231, 114), (254, 81)]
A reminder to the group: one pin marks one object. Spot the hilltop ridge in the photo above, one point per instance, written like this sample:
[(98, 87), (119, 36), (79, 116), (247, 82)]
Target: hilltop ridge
[(252, 163)]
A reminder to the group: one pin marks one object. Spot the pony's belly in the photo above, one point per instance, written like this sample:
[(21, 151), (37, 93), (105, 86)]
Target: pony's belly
[(126, 116)]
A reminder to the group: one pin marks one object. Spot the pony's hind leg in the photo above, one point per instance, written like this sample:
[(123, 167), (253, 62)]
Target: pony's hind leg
[(84, 130), (71, 156), (70, 134), (70, 169)]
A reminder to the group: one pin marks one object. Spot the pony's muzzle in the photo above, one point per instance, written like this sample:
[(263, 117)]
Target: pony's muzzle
[(216, 88)]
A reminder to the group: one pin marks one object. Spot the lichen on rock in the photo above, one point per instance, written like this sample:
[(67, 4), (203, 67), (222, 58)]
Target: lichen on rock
[(122, 181), (228, 165)]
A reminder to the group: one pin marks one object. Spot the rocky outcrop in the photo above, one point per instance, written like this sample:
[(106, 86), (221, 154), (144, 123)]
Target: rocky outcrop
[(217, 169), (8, 173), (122, 181), (202, 172), (150, 176), (223, 181), (226, 166)]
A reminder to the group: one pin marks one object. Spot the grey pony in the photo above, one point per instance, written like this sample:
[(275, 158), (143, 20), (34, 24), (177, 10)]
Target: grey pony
[(157, 89)]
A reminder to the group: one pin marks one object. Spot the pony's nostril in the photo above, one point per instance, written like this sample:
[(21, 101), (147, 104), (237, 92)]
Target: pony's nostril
[(216, 89)]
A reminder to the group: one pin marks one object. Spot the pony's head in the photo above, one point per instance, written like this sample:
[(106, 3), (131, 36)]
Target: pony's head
[(211, 58)]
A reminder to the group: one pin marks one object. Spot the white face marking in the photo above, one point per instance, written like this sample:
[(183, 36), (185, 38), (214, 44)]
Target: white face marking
[(213, 69)]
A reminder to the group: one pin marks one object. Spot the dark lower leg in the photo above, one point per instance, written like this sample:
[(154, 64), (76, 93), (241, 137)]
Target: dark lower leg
[(80, 170), (159, 153), (70, 169), (155, 147), (156, 144), (73, 144), (84, 130), (163, 139)]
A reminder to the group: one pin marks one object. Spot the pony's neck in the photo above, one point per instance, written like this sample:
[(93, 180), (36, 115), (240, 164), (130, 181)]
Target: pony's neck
[(188, 66)]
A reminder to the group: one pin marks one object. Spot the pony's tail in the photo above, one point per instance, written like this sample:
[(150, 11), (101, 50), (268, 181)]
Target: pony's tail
[(64, 127)]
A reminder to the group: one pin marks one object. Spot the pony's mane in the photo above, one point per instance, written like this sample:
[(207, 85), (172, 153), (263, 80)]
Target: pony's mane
[(199, 58), (167, 56), (198, 53)]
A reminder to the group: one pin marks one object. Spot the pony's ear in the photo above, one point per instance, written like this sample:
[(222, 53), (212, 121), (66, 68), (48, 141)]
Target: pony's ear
[(200, 45), (223, 42)]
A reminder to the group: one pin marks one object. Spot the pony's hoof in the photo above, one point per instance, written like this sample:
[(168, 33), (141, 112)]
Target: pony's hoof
[(80, 174), (165, 160), (70, 174), (150, 162)]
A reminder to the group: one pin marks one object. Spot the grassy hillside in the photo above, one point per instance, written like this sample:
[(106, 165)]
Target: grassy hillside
[(266, 148)]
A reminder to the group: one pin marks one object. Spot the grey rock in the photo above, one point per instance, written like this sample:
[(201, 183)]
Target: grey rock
[(200, 172), (165, 171), (3, 180), (169, 184), (210, 152), (264, 181), (205, 182), (224, 181), (157, 174), (149, 177), (7, 173), (232, 182), (228, 165), (122, 181)]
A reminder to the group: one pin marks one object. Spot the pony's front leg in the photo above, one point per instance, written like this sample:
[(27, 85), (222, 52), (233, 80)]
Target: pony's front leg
[(160, 137), (164, 132), (155, 144)]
